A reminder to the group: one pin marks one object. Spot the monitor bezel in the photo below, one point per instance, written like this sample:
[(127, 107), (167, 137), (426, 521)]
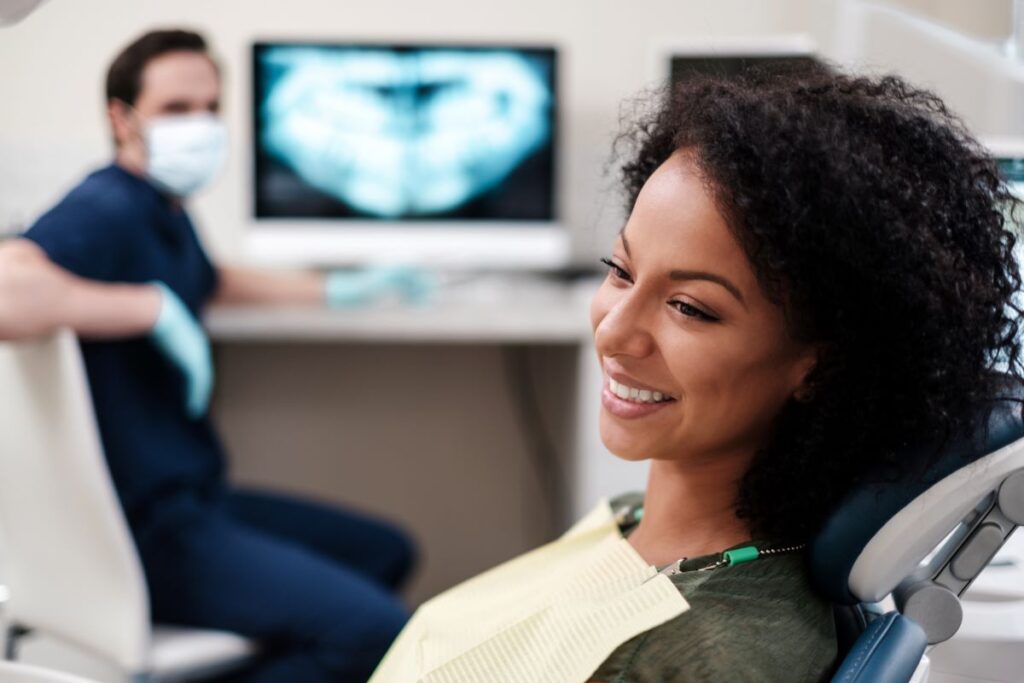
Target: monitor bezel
[(1004, 146)]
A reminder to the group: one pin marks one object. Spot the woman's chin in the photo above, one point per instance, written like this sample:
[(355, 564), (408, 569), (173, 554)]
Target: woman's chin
[(622, 443)]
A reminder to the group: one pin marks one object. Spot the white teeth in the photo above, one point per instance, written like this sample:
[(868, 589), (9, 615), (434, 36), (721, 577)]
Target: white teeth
[(635, 395)]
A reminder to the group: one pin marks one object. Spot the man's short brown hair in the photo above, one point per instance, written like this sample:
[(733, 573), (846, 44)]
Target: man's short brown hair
[(124, 78)]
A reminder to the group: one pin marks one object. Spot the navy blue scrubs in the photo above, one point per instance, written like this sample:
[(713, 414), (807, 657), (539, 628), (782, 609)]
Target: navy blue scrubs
[(313, 584)]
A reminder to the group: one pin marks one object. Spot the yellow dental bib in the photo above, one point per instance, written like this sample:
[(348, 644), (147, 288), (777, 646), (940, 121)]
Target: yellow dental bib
[(552, 615)]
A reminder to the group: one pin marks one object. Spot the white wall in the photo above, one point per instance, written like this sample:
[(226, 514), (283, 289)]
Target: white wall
[(52, 64), (967, 67), (52, 67), (984, 19)]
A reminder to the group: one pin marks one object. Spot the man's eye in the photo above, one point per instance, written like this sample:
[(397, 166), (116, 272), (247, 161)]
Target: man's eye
[(691, 311), (616, 270), (176, 108)]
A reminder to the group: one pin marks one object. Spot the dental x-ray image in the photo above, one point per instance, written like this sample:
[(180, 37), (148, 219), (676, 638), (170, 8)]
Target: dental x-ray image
[(404, 132)]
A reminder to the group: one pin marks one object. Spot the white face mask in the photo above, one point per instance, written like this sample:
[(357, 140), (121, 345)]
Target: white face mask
[(184, 152)]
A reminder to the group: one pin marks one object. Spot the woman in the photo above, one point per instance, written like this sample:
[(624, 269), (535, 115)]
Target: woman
[(816, 272)]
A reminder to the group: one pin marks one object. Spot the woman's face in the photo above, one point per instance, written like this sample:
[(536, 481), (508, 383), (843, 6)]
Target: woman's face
[(697, 361)]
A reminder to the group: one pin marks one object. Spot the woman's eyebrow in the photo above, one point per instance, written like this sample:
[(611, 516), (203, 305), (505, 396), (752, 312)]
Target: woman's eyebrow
[(680, 275), (710, 277)]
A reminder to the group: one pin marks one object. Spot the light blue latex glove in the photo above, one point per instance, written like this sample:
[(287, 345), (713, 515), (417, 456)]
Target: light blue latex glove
[(350, 288), (180, 337)]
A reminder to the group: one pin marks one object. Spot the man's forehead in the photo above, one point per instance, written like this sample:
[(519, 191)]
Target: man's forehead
[(180, 75)]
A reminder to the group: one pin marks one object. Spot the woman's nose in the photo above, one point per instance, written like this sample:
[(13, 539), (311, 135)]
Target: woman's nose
[(625, 328)]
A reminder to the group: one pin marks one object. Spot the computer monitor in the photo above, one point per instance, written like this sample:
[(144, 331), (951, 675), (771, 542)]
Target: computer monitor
[(726, 56), (435, 154)]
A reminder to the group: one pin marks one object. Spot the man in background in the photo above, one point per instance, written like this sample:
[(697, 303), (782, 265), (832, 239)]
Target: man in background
[(118, 261)]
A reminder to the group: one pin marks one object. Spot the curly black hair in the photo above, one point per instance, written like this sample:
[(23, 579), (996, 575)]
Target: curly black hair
[(882, 228)]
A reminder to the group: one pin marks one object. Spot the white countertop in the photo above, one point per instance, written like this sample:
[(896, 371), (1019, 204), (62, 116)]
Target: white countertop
[(495, 310)]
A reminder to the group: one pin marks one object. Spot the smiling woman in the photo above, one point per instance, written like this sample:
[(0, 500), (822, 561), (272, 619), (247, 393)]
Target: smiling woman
[(872, 227), (815, 272), (681, 313), (682, 316)]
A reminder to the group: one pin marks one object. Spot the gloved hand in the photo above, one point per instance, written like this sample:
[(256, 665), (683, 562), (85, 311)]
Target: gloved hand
[(180, 337), (361, 287)]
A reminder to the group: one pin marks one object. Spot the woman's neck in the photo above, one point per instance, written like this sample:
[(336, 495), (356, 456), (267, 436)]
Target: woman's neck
[(690, 510)]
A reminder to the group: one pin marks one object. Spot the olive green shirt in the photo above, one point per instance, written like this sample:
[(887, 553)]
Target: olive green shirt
[(760, 622)]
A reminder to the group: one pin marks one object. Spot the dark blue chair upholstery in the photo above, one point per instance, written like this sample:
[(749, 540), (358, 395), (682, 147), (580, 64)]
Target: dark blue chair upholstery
[(866, 510), (891, 645), (888, 651)]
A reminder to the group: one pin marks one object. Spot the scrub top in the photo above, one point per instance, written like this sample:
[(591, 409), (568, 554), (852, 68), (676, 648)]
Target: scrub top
[(116, 227)]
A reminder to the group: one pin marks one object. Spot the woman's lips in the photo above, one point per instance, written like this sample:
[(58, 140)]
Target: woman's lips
[(620, 407), (612, 373)]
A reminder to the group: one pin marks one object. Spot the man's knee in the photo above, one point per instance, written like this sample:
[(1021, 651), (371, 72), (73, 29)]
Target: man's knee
[(398, 556), (360, 646)]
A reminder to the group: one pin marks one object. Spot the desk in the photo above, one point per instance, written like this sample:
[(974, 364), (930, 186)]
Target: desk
[(560, 319), (416, 414)]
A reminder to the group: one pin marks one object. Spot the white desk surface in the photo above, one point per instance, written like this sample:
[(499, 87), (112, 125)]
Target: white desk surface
[(519, 311)]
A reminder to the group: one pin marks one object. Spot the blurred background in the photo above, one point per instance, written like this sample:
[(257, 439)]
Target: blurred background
[(473, 421), (53, 124)]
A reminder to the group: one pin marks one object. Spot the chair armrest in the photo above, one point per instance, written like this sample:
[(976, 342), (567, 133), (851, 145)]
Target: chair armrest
[(888, 651)]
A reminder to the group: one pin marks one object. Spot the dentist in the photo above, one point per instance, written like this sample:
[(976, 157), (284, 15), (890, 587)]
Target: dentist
[(118, 261)]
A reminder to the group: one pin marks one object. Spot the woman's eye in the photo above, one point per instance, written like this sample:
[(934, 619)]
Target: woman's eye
[(616, 270), (691, 311)]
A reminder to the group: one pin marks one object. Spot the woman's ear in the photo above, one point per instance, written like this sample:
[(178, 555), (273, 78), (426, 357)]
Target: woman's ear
[(803, 394), (804, 366)]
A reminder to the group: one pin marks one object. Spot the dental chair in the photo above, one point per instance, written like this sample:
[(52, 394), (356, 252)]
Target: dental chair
[(11, 672), (66, 553), (895, 557)]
